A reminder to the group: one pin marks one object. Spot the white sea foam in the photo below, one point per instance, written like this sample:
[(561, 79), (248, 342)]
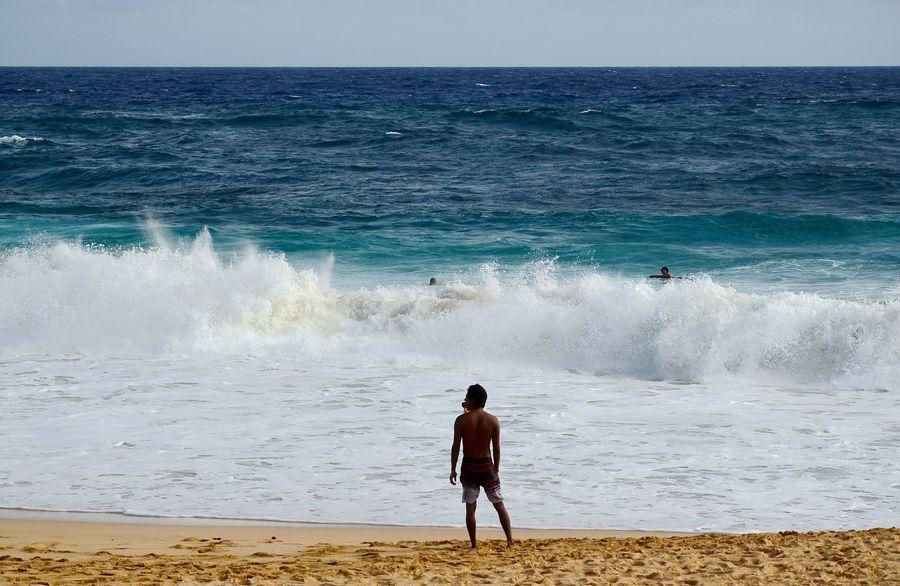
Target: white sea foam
[(17, 140), (393, 133), (174, 380), (186, 298)]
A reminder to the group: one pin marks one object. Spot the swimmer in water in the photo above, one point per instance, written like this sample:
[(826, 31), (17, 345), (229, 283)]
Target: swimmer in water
[(664, 274), (432, 282)]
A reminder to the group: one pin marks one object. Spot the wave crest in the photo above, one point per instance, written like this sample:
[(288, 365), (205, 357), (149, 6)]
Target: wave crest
[(185, 297), (17, 140)]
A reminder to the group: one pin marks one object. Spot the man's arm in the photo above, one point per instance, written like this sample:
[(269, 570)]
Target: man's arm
[(454, 451), (495, 439)]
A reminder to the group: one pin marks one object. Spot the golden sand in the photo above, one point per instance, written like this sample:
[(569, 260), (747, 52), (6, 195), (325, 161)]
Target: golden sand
[(41, 552)]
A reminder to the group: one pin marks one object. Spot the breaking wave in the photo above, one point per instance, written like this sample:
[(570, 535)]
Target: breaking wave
[(17, 140), (185, 297)]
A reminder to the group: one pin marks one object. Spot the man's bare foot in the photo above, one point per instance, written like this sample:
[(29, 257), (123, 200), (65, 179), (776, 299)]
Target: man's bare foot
[(509, 543)]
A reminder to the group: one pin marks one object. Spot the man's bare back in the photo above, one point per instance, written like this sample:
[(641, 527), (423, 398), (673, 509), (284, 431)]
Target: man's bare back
[(477, 429), (479, 433)]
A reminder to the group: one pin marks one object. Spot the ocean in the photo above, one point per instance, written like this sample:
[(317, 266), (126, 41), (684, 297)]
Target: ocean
[(214, 293)]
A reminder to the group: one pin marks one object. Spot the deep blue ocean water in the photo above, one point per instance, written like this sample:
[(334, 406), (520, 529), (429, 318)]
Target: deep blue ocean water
[(763, 178)]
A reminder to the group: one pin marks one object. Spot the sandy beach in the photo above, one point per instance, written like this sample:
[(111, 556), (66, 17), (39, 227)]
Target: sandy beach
[(40, 551)]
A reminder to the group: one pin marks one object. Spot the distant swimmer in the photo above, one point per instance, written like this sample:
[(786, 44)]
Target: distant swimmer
[(664, 274), (478, 430), (433, 281)]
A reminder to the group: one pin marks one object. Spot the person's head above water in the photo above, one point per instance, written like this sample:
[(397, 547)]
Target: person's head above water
[(664, 274), (476, 397), (433, 281)]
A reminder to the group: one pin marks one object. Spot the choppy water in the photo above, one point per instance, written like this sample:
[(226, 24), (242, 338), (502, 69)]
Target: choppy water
[(214, 301)]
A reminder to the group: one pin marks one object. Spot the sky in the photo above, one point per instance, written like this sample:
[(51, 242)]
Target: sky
[(439, 33)]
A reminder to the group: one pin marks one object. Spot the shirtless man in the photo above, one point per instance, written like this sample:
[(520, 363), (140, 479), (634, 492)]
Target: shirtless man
[(478, 429)]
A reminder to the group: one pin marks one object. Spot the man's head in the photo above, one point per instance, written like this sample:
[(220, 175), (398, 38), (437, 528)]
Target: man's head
[(432, 281), (664, 271), (476, 397)]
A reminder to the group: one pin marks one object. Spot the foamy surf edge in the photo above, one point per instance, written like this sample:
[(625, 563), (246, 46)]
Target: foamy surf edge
[(124, 517)]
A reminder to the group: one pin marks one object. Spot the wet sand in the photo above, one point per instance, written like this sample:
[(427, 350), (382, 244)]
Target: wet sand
[(34, 551)]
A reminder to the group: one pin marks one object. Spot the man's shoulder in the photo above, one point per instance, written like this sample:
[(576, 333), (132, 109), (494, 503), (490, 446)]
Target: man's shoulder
[(492, 418)]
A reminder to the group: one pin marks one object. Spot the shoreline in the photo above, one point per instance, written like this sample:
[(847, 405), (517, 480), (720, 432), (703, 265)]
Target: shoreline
[(86, 532), (15, 514)]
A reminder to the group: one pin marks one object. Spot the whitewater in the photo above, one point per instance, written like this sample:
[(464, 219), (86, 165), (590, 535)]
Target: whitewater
[(176, 379)]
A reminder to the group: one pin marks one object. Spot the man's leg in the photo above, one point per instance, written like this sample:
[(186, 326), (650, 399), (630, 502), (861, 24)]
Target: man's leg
[(470, 521), (504, 521)]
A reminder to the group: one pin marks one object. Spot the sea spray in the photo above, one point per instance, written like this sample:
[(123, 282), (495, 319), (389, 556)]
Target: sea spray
[(182, 296)]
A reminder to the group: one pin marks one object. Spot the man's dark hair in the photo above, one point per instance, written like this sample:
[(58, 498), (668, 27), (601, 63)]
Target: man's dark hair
[(478, 395), (664, 270)]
